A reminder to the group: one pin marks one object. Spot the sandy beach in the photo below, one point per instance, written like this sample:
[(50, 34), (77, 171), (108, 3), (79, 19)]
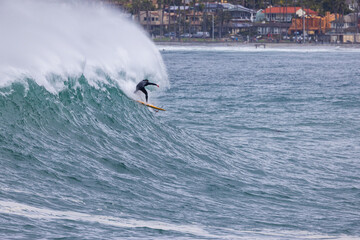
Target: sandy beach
[(255, 45)]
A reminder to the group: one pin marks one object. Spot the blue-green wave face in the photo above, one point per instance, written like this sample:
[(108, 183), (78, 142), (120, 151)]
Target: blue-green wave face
[(95, 152), (72, 140), (67, 79)]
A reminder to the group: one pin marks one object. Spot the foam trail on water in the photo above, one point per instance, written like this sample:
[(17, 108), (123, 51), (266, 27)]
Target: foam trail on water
[(13, 208), (45, 214), (42, 39)]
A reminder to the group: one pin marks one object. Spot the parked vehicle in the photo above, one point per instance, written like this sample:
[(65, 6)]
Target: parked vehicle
[(170, 34), (186, 35), (201, 35), (286, 37)]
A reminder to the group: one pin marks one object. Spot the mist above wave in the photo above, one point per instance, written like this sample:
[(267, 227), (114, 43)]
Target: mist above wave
[(40, 39)]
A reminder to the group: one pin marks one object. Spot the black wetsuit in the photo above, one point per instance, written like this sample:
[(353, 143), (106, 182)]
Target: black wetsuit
[(141, 86)]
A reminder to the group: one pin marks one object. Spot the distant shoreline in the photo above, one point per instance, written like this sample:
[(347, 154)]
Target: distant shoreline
[(254, 45)]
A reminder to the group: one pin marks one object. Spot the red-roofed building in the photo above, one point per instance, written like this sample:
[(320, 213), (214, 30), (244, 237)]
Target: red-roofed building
[(285, 14)]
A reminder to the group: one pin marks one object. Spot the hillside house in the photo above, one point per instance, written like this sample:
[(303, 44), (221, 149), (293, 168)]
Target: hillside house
[(314, 25), (286, 14), (345, 29)]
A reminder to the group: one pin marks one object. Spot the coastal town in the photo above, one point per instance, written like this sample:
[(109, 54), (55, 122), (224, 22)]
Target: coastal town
[(283, 21)]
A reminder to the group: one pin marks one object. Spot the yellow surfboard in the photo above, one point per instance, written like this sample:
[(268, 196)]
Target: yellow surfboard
[(152, 106)]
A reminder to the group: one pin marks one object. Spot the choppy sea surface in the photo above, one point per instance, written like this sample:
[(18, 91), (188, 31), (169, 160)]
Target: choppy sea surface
[(284, 124), (255, 143)]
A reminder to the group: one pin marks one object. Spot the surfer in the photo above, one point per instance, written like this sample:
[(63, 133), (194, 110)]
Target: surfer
[(141, 86)]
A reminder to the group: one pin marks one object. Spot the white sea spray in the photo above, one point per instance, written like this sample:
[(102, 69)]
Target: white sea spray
[(52, 41)]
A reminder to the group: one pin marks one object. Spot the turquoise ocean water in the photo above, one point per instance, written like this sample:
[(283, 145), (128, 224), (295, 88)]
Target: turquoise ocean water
[(255, 143)]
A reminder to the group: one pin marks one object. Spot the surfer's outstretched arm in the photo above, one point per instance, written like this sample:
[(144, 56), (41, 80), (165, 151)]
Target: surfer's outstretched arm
[(149, 83)]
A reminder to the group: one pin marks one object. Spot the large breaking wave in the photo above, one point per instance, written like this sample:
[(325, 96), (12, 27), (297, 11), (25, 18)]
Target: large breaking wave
[(52, 41), (72, 139)]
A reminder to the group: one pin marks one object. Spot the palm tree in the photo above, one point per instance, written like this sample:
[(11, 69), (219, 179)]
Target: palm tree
[(194, 11), (161, 6), (204, 10), (134, 8), (357, 17), (169, 15), (178, 18), (147, 6), (184, 16)]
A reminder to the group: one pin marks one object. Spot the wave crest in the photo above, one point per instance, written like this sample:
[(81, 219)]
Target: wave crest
[(73, 39)]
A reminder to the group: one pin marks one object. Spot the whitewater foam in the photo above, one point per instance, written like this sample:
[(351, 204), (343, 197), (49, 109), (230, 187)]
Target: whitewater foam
[(52, 41), (13, 208), (7, 207)]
